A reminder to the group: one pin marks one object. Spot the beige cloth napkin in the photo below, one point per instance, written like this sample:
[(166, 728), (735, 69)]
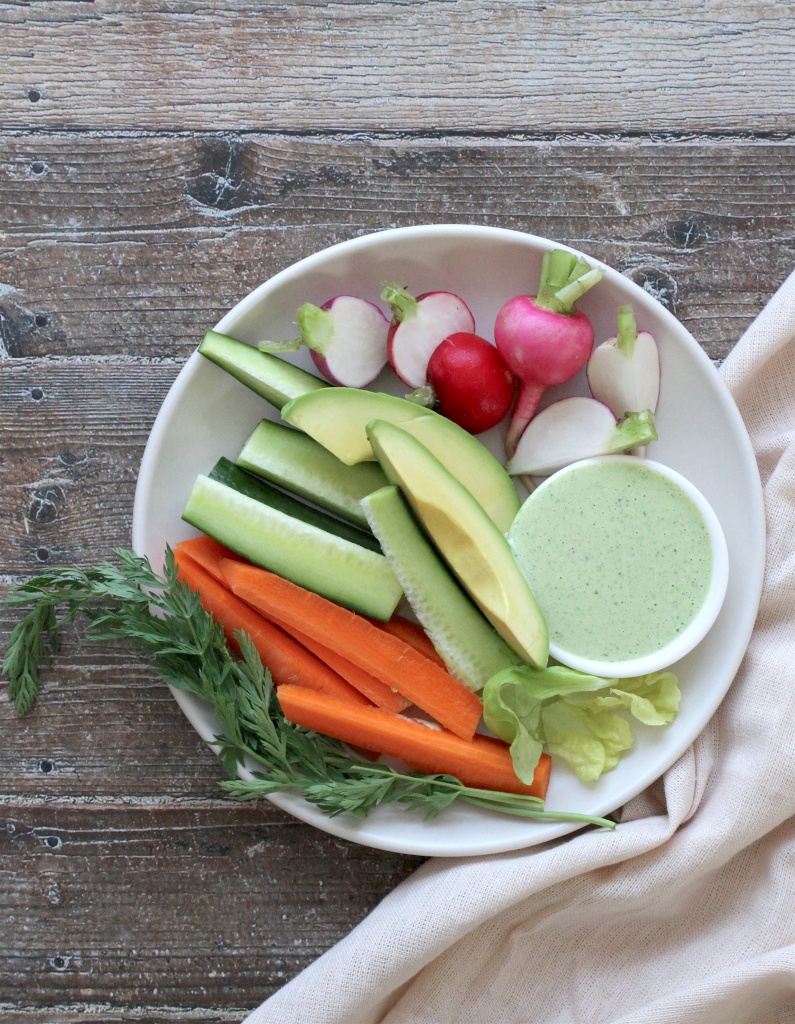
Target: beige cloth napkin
[(686, 913)]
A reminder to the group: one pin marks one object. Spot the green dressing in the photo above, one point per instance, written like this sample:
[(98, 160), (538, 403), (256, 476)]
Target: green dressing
[(618, 556)]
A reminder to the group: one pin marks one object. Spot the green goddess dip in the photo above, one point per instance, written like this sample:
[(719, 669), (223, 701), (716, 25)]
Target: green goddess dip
[(618, 556)]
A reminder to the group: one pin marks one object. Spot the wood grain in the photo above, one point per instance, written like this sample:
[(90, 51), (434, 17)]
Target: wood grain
[(134, 246), (71, 438), (572, 65), (158, 160), (190, 907)]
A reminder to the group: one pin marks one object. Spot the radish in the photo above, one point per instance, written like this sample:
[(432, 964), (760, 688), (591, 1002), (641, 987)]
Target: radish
[(347, 337), (419, 326), (624, 372), (574, 429), (543, 339), (468, 382)]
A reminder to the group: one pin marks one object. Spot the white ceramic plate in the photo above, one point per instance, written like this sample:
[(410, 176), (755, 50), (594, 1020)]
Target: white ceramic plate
[(208, 414)]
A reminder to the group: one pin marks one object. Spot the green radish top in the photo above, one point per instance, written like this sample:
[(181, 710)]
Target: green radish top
[(564, 279), (627, 331), (401, 302)]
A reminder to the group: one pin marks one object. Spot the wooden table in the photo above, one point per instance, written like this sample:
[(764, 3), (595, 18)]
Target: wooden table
[(158, 161)]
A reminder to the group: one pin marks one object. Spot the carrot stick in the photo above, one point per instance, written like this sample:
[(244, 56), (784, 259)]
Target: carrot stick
[(209, 554), (411, 634), (377, 652), (482, 762), (376, 691), (286, 659)]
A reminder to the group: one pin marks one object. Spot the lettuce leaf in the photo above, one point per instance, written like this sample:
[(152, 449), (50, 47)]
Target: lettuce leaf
[(652, 699), (514, 714), (578, 717), (591, 742)]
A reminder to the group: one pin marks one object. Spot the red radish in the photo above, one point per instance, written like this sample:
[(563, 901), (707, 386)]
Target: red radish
[(419, 326), (543, 338), (347, 337), (574, 429), (469, 383), (624, 372)]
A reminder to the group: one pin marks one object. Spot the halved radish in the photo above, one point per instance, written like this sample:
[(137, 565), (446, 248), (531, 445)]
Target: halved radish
[(347, 337), (574, 429), (419, 326), (624, 372)]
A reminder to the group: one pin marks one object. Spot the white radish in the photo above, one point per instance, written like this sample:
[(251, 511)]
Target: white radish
[(419, 326), (624, 372), (574, 429), (347, 337)]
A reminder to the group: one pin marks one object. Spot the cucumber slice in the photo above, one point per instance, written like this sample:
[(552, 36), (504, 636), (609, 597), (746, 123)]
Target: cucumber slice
[(274, 379), (470, 646), (238, 479), (295, 461), (338, 569)]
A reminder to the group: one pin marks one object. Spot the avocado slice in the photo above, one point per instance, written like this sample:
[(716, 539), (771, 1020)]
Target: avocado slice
[(337, 418), (465, 536), (469, 644)]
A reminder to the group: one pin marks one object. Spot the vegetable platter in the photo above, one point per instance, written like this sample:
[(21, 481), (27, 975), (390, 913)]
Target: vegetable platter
[(208, 415)]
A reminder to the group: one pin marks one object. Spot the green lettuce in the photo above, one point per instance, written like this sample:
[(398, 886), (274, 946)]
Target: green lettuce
[(577, 717)]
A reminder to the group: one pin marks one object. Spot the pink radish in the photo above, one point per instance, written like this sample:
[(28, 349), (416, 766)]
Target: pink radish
[(624, 372), (574, 429), (419, 326), (469, 383), (347, 337), (543, 339)]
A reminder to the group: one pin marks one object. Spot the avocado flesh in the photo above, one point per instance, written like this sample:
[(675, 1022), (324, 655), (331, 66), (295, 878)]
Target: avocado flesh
[(337, 418), (470, 463), (466, 640), (467, 539)]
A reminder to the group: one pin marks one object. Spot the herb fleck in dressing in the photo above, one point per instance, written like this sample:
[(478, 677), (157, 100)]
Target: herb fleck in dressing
[(618, 557)]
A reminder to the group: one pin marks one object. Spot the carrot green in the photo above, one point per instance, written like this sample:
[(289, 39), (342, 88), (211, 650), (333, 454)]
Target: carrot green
[(165, 619)]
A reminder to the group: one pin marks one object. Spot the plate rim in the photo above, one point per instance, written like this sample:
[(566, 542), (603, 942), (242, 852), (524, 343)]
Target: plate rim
[(359, 830)]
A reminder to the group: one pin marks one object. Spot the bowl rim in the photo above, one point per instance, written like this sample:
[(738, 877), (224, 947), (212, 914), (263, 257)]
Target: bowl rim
[(710, 608), (386, 830)]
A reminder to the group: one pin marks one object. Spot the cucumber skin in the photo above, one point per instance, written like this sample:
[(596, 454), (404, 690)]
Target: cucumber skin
[(293, 460), (466, 640), (272, 378), (226, 472), (326, 564)]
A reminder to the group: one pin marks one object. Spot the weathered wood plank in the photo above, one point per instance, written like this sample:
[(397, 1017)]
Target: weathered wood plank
[(194, 909), (106, 732), (135, 245), (71, 439), (578, 65), (90, 1013)]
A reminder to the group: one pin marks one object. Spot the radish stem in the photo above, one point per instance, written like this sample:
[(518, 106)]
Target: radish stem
[(627, 331), (315, 326), (422, 396), (564, 278), (274, 347), (316, 329), (401, 302)]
